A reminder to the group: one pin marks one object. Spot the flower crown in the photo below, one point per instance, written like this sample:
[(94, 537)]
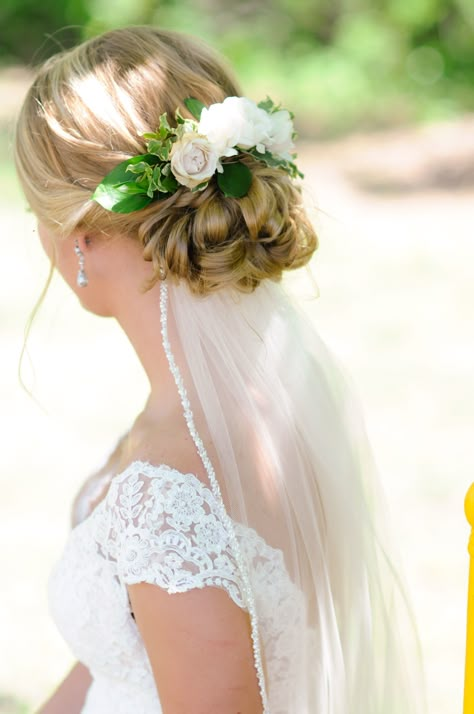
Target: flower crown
[(192, 152)]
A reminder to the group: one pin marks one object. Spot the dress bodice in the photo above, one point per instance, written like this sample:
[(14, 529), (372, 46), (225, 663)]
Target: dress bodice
[(161, 526)]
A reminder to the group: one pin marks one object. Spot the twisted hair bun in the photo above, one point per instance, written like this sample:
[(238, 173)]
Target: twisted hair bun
[(214, 241), (86, 112)]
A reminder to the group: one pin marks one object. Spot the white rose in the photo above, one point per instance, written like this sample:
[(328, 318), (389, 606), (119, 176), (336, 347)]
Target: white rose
[(237, 121), (193, 159), (280, 141)]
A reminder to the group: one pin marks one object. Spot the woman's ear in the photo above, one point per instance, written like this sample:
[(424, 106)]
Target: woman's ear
[(82, 239)]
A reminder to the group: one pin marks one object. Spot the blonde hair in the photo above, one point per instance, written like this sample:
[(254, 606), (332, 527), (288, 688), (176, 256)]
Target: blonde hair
[(86, 111)]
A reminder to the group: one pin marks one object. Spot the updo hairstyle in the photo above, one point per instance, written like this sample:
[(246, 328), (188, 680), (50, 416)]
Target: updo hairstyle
[(86, 111)]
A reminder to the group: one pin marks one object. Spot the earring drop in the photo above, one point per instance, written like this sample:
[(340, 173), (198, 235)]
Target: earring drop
[(82, 279)]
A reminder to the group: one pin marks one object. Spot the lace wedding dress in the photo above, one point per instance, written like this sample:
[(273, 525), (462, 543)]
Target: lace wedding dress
[(160, 526)]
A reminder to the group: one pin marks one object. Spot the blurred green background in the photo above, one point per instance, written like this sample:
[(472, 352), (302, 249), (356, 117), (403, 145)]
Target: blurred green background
[(339, 64), (384, 100)]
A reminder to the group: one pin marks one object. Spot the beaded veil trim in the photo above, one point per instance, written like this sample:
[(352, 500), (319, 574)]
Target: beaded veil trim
[(217, 493)]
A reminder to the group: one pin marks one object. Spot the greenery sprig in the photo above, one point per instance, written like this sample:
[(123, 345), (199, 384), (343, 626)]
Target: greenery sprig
[(192, 152)]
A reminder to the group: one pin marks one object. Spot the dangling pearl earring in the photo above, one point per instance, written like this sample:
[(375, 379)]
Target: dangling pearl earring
[(82, 279)]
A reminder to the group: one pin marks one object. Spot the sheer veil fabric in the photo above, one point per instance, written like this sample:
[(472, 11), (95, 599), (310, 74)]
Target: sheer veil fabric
[(283, 440)]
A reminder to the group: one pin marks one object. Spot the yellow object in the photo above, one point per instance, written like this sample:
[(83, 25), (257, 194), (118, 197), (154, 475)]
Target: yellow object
[(469, 668)]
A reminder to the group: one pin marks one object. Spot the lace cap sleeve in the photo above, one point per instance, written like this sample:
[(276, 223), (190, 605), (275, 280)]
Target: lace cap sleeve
[(164, 528)]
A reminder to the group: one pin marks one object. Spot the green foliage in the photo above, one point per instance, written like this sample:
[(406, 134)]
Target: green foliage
[(275, 161), (194, 106), (118, 193), (235, 180), (336, 63), (31, 31)]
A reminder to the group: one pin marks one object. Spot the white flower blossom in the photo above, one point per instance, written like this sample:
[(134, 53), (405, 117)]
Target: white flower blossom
[(237, 121), (280, 140), (194, 159)]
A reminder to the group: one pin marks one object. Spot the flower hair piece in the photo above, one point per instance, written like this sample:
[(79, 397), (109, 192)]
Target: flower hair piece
[(191, 153)]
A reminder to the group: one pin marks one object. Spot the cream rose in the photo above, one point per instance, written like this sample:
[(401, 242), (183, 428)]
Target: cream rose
[(280, 140), (193, 159), (237, 121)]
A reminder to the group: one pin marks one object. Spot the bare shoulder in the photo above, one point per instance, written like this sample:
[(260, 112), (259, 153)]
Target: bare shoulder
[(168, 442)]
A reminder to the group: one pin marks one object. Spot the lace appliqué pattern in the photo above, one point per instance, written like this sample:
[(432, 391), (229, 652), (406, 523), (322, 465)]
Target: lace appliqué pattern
[(159, 525), (162, 526)]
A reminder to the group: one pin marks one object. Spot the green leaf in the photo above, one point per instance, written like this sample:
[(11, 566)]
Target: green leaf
[(154, 146), (119, 173), (169, 183), (235, 180), (131, 188), (164, 129), (163, 180), (168, 179), (117, 193), (274, 161), (144, 180), (164, 150), (142, 167), (294, 171), (121, 199), (268, 158), (179, 117), (195, 106), (267, 104), (132, 203), (200, 187)]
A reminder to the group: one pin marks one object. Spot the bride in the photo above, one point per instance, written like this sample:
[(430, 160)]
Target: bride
[(232, 555)]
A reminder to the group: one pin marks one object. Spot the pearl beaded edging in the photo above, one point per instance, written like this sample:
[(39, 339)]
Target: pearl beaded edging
[(216, 490)]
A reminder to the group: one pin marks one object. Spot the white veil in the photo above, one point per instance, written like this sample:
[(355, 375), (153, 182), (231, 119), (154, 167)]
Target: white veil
[(282, 438)]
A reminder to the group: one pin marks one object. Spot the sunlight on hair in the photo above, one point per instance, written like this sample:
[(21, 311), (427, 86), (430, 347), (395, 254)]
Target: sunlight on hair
[(97, 98)]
